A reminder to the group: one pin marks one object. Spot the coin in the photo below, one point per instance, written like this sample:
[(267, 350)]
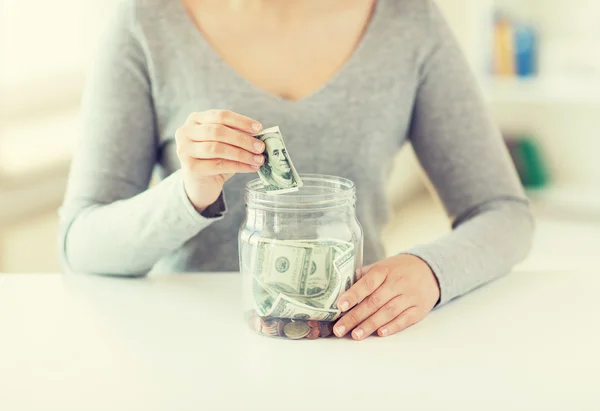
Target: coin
[(257, 324), (326, 329), (271, 328), (296, 330), (254, 321), (313, 334), (313, 324), (280, 326)]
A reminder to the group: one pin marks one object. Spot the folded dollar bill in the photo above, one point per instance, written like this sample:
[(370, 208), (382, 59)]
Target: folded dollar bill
[(278, 173)]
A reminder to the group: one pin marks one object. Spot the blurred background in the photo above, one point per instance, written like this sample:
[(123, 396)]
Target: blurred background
[(537, 61)]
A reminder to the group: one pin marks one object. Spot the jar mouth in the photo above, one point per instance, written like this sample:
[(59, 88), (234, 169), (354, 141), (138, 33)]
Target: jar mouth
[(318, 191)]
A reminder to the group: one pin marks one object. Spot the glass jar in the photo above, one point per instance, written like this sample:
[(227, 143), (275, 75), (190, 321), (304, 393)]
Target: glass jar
[(298, 253)]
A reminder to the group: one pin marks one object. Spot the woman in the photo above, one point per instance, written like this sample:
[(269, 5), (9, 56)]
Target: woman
[(182, 86)]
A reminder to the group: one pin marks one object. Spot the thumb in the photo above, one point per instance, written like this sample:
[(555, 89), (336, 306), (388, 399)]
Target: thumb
[(363, 270)]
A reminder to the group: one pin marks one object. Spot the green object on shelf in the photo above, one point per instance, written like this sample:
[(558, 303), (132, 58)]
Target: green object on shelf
[(529, 161)]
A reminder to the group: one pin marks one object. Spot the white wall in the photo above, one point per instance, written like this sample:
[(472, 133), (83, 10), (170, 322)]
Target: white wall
[(469, 21)]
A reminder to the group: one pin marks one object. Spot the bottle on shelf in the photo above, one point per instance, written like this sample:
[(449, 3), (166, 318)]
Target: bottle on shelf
[(503, 52), (528, 159), (514, 46)]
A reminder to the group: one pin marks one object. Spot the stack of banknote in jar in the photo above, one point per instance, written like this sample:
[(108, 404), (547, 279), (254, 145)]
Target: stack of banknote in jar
[(296, 284)]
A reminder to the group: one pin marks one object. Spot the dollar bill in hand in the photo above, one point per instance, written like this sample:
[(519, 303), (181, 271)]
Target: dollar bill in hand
[(278, 173)]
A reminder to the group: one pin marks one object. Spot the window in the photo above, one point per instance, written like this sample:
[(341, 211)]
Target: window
[(45, 50), (45, 47)]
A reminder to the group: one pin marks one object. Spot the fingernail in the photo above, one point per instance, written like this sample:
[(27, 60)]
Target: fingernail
[(384, 331), (256, 127), (258, 159), (344, 305), (359, 333), (339, 330), (259, 146)]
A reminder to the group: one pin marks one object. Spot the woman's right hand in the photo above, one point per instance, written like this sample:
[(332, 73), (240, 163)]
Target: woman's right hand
[(212, 146)]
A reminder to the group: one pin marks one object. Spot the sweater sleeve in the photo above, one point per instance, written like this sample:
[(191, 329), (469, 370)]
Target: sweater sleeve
[(111, 222), (463, 154)]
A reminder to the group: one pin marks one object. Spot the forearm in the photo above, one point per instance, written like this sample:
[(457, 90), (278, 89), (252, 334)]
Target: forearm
[(485, 246), (462, 151), (127, 237)]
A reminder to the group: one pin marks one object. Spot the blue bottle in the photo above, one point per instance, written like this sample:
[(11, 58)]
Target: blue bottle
[(525, 50)]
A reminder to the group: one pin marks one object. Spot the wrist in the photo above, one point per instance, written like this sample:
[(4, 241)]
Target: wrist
[(199, 204), (216, 209), (429, 267)]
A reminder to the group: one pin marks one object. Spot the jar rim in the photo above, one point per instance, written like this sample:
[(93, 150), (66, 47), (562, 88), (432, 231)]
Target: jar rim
[(342, 191)]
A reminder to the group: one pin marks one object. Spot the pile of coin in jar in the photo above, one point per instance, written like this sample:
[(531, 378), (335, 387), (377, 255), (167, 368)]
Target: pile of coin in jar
[(287, 328)]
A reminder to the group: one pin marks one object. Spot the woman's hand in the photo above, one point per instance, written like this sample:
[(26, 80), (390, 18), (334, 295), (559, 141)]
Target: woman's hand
[(212, 146), (390, 296)]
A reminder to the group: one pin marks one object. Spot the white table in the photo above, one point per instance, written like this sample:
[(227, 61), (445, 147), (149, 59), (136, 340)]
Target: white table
[(529, 341)]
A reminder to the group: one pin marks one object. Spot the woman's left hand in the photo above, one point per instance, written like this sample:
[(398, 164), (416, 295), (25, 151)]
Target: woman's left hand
[(392, 295)]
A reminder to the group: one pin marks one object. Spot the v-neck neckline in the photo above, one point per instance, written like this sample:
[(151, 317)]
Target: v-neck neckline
[(189, 26)]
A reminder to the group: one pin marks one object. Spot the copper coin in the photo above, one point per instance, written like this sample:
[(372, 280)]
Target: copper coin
[(313, 334), (313, 324), (254, 321), (271, 328), (326, 329), (257, 324)]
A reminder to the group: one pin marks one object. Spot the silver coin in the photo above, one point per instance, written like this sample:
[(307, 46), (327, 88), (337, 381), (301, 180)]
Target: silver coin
[(296, 330)]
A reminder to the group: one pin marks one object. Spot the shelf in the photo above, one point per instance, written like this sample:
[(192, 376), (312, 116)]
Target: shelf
[(26, 200), (568, 202), (549, 90)]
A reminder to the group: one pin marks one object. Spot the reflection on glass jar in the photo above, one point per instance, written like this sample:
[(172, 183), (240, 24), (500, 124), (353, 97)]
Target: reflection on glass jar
[(298, 253)]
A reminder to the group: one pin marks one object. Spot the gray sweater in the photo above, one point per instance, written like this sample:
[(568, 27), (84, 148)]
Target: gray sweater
[(406, 81)]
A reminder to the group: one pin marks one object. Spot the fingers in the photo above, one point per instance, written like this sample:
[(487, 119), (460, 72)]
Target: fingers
[(360, 273), (213, 150), (219, 133), (363, 288), (408, 317), (382, 317), (365, 310), (226, 118), (219, 148)]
